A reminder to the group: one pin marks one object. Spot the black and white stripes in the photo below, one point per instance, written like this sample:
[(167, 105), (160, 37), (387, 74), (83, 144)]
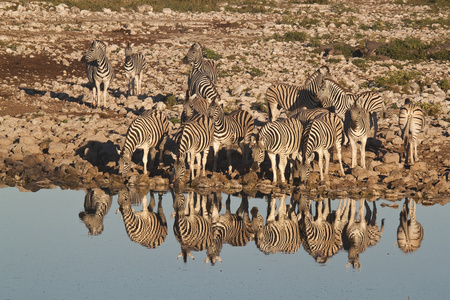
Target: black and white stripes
[(135, 64), (411, 122)]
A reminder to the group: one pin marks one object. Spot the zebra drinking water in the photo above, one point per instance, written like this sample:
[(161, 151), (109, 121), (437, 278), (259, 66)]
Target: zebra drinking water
[(135, 64), (100, 72), (146, 132)]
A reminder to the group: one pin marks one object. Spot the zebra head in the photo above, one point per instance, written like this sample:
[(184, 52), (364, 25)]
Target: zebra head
[(353, 258), (304, 170), (323, 95), (257, 221), (97, 49), (194, 55), (179, 170), (93, 222), (215, 110), (258, 153), (124, 163), (128, 50)]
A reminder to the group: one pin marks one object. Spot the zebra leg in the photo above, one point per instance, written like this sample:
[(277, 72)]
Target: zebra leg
[(204, 159), (282, 167), (162, 145), (145, 159), (326, 154), (375, 125), (273, 161), (363, 152), (192, 165), (354, 150), (230, 167), (338, 150), (216, 146), (138, 78), (97, 98), (416, 157), (320, 153), (94, 95), (152, 158), (105, 92)]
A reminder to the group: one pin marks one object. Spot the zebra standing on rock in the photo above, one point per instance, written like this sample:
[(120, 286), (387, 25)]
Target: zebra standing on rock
[(319, 136), (235, 128), (282, 138), (100, 71), (146, 132), (146, 228), (357, 126), (291, 97), (203, 76), (373, 103), (135, 64), (192, 227), (193, 138), (411, 123), (281, 233)]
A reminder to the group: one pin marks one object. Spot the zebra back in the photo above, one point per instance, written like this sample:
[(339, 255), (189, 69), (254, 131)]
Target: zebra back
[(305, 115), (371, 101), (146, 228), (411, 121)]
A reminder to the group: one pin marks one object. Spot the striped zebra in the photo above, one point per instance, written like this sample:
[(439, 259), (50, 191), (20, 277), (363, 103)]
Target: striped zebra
[(203, 76), (96, 205), (357, 126), (235, 128), (319, 136), (100, 72), (306, 115), (334, 97), (321, 238), (199, 63), (361, 233), (193, 105), (193, 138), (282, 138), (290, 97), (135, 64), (374, 104), (411, 122), (409, 231), (146, 132), (234, 229), (146, 227), (192, 226), (281, 232)]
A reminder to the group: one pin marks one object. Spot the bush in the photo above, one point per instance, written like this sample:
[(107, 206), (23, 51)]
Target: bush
[(292, 36), (395, 79), (430, 109), (170, 100)]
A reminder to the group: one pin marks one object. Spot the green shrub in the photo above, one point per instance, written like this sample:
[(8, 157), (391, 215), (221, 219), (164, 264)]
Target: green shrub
[(412, 49), (254, 72), (174, 120), (430, 109), (444, 84), (259, 106), (397, 79), (292, 36), (170, 100), (360, 63), (210, 54)]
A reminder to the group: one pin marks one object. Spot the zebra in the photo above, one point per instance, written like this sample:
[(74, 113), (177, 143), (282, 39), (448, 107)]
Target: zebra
[(135, 64), (357, 125), (305, 115), (281, 233), (411, 122), (361, 233), (193, 105), (91, 67), (193, 138), (322, 238), (96, 205), (335, 98), (409, 231), (146, 228), (234, 229), (291, 97), (374, 104), (146, 132), (102, 72), (200, 64), (319, 136), (203, 76), (283, 138), (234, 128), (192, 228)]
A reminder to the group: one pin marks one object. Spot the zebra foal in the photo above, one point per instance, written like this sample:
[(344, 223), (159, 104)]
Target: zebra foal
[(146, 132), (319, 136), (100, 70), (357, 126), (290, 97), (235, 128), (135, 64), (282, 138), (411, 122)]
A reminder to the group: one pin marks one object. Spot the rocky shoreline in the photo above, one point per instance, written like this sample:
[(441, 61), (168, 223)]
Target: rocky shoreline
[(51, 136)]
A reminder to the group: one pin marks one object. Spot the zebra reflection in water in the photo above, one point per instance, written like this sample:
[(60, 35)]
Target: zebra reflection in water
[(146, 228), (281, 232), (362, 232), (192, 227), (97, 203), (234, 229), (322, 235), (409, 232)]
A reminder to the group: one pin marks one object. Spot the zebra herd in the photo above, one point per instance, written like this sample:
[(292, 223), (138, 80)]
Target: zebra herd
[(320, 116), (199, 225)]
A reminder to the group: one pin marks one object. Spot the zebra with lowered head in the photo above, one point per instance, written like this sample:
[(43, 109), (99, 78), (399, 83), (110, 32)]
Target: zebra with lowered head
[(290, 97), (235, 128), (102, 71), (135, 64), (96, 205), (357, 126), (320, 136), (282, 138), (146, 132), (411, 122)]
